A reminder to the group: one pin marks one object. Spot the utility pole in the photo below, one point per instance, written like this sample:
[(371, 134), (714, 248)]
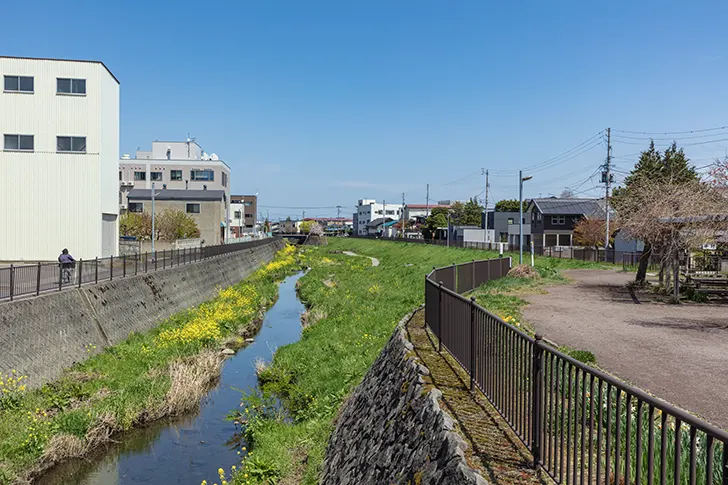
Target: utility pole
[(487, 186), (304, 215), (427, 202), (402, 216), (384, 214), (607, 182), (153, 238)]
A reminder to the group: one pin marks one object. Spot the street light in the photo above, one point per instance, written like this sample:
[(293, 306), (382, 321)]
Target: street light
[(521, 179)]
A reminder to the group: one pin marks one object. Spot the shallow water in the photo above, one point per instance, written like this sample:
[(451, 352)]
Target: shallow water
[(191, 449)]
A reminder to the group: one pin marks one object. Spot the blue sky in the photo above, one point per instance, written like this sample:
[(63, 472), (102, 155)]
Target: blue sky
[(320, 103)]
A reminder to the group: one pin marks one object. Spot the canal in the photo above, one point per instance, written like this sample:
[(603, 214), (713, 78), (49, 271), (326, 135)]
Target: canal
[(191, 449)]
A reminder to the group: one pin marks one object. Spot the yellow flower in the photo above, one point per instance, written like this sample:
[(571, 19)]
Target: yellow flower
[(220, 471)]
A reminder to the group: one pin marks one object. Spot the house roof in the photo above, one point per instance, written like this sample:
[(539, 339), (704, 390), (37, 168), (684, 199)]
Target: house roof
[(554, 206), (176, 194), (378, 222), (63, 60), (424, 206)]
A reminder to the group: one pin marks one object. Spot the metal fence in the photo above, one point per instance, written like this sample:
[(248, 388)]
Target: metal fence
[(34, 279), (581, 425)]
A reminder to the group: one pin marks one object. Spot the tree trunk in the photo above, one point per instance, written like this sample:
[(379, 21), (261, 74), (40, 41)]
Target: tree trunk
[(644, 261), (661, 275), (676, 277), (668, 277)]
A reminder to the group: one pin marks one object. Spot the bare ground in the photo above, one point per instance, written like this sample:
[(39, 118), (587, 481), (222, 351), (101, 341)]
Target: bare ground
[(676, 352)]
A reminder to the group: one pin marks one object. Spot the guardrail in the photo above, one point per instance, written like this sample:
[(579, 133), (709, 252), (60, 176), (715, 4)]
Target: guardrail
[(581, 425), (34, 279)]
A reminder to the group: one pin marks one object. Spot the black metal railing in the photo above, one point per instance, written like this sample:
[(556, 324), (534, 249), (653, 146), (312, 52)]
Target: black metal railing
[(581, 425), (34, 279)]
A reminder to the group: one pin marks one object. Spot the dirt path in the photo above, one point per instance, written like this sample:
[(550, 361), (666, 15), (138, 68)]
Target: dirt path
[(494, 449), (375, 261), (676, 352)]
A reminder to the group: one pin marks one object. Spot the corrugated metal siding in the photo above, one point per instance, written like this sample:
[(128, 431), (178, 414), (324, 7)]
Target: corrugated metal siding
[(48, 200)]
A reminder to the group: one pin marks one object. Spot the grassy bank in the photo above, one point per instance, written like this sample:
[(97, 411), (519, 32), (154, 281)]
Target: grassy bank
[(353, 308), (160, 373)]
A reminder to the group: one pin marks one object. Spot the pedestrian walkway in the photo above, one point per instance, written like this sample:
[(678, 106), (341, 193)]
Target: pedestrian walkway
[(494, 449)]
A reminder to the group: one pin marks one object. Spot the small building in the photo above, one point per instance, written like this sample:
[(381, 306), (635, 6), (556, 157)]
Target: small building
[(553, 219), (500, 222), (419, 212), (243, 210), (289, 226), (368, 210), (59, 120), (206, 207), (382, 226)]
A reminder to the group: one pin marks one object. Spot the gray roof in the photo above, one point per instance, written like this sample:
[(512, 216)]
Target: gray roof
[(176, 194), (379, 221), (554, 206)]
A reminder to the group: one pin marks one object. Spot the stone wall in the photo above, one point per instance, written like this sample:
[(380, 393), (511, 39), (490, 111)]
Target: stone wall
[(392, 430), (40, 337)]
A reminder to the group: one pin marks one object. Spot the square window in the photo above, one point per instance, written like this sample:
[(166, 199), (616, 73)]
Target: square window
[(12, 83), (19, 142), (19, 84), (63, 85), (78, 144), (139, 176), (156, 176), (204, 175), (26, 84), (78, 86), (176, 175), (193, 208), (70, 86), (75, 144), (136, 207)]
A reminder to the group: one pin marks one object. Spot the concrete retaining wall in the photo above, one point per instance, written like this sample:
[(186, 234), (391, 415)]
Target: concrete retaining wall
[(39, 337), (392, 430)]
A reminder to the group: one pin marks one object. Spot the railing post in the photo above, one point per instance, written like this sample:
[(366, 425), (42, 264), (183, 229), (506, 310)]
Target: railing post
[(536, 397), (454, 278), (124, 270), (136, 264), (111, 269), (80, 272), (472, 343), (154, 257), (37, 283), (60, 276), (439, 317), (96, 271), (12, 281), (164, 259), (472, 280)]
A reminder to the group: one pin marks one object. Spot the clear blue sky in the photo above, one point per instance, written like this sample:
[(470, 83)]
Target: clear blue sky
[(319, 104)]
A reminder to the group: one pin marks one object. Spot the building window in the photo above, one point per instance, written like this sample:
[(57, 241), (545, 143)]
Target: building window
[(19, 142), (247, 204), (70, 86), (193, 208), (208, 175), (248, 216), (120, 175), (140, 176), (19, 84), (224, 179), (558, 220), (175, 175), (136, 207), (76, 144), (238, 215), (169, 154), (155, 176), (511, 220)]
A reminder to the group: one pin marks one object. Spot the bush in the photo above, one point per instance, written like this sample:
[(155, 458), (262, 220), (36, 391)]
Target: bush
[(523, 271)]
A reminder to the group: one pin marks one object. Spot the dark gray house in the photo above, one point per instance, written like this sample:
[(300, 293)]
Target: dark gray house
[(553, 219), (499, 222)]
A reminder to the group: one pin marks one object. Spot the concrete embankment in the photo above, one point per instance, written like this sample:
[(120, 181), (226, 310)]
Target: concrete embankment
[(40, 337), (392, 429)]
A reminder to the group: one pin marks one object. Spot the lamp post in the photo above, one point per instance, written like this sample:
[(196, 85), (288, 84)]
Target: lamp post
[(153, 238), (521, 179)]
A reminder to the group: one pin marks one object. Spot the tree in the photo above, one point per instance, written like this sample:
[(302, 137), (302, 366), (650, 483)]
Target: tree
[(306, 226), (567, 193), (472, 214), (718, 174), (174, 224), (437, 218), (591, 232), (656, 170), (509, 205), (138, 224)]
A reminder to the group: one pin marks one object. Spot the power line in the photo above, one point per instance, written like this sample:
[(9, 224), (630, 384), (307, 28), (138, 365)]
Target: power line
[(673, 132)]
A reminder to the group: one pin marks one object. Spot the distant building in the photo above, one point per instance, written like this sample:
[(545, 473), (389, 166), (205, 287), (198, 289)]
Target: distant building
[(419, 212), (243, 210), (173, 165), (500, 222), (206, 207), (553, 220), (333, 224), (59, 120), (289, 226), (369, 209)]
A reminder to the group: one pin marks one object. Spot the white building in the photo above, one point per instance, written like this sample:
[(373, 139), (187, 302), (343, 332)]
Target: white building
[(174, 165), (368, 210), (58, 167)]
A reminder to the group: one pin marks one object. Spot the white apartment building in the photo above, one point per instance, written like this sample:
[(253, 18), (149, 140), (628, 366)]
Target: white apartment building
[(369, 210), (172, 165), (59, 121)]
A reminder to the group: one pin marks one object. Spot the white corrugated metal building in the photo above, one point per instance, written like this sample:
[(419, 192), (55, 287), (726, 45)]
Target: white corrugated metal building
[(59, 164)]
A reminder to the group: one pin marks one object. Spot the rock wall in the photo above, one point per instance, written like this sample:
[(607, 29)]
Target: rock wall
[(392, 430), (39, 337)]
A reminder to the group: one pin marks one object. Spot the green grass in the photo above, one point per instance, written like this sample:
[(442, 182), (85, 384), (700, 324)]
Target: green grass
[(314, 375), (128, 382)]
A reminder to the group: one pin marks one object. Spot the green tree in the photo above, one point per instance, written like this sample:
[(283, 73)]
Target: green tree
[(669, 169), (472, 214), (306, 226), (176, 224), (437, 218), (509, 205), (138, 224)]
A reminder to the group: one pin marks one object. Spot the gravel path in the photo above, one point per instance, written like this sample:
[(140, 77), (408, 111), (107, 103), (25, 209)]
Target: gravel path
[(375, 261), (676, 352)]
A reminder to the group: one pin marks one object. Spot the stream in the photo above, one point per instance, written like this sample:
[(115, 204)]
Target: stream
[(190, 449)]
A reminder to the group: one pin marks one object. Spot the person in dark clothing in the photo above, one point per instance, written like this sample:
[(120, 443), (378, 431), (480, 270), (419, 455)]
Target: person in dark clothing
[(67, 265)]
